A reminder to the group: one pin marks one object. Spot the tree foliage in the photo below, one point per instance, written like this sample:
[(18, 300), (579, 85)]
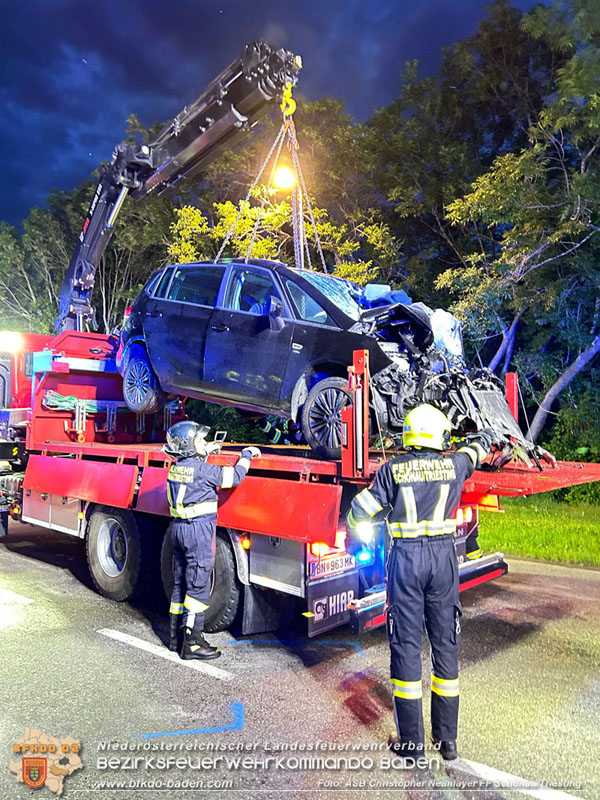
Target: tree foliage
[(478, 187)]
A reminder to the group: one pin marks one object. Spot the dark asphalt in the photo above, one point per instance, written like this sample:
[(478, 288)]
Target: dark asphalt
[(530, 689)]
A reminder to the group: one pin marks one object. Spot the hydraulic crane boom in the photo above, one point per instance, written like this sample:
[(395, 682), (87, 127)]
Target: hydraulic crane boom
[(231, 104)]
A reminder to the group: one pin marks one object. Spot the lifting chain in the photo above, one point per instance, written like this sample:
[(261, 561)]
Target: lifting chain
[(300, 196)]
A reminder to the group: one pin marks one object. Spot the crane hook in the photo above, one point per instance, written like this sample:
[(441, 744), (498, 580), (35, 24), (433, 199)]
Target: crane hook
[(288, 104)]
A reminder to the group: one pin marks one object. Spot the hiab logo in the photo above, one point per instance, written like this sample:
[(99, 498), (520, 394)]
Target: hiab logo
[(46, 760), (324, 607)]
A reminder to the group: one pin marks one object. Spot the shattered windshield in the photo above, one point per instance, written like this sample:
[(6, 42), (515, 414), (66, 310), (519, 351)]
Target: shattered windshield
[(339, 292)]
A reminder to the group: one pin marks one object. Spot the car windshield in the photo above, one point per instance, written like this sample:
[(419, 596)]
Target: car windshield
[(339, 292)]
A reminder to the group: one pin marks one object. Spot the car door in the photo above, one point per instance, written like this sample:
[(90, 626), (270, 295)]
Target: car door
[(247, 349), (186, 310), (318, 338), (157, 320)]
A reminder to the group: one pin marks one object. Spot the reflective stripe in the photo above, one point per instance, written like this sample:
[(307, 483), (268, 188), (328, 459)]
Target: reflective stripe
[(407, 530), (227, 478), (243, 462), (407, 690), (471, 453), (440, 507), (368, 502), (410, 505), (195, 510), (176, 608), (352, 523), (480, 449), (277, 436), (267, 427), (444, 687), (474, 554), (193, 605)]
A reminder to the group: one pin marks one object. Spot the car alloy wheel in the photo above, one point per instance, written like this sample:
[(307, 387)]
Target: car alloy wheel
[(138, 382)]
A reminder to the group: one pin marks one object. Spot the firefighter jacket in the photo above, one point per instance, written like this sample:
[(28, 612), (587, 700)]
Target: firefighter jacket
[(192, 486), (423, 488)]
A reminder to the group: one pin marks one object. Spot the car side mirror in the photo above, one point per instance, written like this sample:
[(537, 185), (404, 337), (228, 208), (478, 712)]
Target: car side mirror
[(274, 307)]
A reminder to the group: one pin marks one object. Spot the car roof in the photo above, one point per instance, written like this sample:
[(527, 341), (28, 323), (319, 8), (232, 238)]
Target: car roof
[(265, 263), (279, 267)]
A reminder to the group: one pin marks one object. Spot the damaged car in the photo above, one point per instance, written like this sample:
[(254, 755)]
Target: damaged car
[(270, 339)]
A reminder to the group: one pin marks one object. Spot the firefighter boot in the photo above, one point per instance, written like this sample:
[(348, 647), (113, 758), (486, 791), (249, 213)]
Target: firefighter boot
[(196, 646), (175, 632), (447, 749), (405, 750)]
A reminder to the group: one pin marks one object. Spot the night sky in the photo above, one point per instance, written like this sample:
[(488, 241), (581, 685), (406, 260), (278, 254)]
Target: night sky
[(72, 71)]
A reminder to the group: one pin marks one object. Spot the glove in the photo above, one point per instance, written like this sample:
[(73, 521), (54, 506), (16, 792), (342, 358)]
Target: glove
[(251, 452), (489, 438)]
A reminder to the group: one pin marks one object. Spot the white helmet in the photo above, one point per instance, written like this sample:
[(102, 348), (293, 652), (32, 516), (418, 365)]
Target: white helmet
[(187, 438)]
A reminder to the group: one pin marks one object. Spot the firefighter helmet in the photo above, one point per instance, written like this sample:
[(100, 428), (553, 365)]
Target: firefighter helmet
[(426, 426), (185, 439)]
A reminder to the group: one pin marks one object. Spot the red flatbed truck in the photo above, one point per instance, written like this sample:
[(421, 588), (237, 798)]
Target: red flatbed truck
[(87, 466)]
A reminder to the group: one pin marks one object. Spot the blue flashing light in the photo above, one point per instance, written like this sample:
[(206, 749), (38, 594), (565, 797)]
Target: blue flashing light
[(365, 556)]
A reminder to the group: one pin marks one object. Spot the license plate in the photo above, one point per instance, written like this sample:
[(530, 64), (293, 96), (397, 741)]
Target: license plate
[(330, 565)]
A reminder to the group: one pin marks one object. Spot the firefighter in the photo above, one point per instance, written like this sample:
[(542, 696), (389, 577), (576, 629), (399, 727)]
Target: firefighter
[(289, 433), (192, 493), (423, 486)]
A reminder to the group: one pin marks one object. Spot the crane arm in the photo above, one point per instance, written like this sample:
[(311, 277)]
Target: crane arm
[(231, 105)]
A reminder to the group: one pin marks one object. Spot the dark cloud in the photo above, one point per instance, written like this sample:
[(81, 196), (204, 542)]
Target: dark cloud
[(72, 71)]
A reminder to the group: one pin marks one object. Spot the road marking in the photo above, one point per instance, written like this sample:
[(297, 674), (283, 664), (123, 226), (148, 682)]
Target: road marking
[(507, 781), (238, 722), (12, 597), (162, 652)]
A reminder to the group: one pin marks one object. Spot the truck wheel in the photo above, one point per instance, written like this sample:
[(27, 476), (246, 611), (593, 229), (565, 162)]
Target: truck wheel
[(141, 388), (114, 553), (322, 416), (224, 591)]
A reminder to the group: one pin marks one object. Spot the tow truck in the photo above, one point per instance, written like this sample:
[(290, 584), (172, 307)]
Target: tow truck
[(75, 459)]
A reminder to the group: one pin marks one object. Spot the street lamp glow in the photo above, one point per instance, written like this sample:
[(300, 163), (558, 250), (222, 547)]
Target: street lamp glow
[(284, 178)]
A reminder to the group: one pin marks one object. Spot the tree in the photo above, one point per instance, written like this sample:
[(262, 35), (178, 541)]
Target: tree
[(536, 212), (265, 230), (444, 131)]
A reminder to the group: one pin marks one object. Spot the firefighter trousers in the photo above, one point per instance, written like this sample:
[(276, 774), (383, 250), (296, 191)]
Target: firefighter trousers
[(193, 560), (422, 581)]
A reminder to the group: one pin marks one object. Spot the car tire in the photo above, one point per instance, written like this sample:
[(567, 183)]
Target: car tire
[(115, 556), (321, 417), (141, 388), (225, 590)]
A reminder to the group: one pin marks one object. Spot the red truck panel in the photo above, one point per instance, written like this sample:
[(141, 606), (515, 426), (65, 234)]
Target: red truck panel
[(93, 481), (514, 480), (306, 512)]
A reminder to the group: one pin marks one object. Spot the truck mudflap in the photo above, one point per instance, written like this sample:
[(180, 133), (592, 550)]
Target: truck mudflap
[(370, 611)]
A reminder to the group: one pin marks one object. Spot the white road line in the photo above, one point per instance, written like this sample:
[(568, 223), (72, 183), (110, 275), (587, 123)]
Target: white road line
[(517, 784), (7, 595), (158, 650)]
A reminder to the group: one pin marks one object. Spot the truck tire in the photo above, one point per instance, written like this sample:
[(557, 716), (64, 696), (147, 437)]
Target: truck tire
[(321, 417), (116, 559), (141, 388), (225, 591)]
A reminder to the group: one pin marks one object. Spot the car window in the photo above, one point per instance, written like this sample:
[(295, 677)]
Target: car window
[(164, 282), (250, 291), (336, 290), (306, 307), (197, 285), (152, 283)]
